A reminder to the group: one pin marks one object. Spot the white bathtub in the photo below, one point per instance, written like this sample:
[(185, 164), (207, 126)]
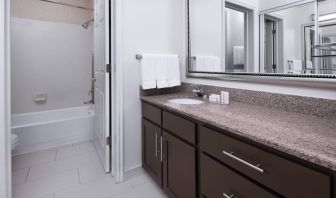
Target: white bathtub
[(47, 129)]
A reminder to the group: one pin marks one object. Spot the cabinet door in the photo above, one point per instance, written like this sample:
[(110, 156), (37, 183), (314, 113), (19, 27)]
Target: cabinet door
[(151, 148), (179, 168)]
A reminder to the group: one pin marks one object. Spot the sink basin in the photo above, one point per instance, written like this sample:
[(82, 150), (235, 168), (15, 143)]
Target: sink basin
[(186, 101)]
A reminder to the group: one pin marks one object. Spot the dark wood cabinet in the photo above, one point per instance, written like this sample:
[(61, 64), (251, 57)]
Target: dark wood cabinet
[(179, 171), (169, 155), (268, 169), (219, 181), (151, 150), (190, 159)]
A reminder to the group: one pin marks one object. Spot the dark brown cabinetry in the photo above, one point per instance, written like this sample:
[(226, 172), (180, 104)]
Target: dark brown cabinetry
[(190, 159), (179, 170), (151, 154), (169, 154)]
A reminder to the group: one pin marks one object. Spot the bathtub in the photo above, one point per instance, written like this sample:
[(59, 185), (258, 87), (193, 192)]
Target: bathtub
[(48, 129)]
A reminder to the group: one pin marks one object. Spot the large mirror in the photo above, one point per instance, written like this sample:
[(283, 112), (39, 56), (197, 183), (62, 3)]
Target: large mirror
[(230, 38)]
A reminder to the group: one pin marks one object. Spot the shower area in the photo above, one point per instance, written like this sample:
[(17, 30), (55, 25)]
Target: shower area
[(51, 50)]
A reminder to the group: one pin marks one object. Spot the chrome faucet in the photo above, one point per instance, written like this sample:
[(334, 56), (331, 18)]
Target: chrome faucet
[(198, 91)]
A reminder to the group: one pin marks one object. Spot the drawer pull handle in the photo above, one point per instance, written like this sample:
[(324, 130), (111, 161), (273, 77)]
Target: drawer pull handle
[(156, 145), (255, 167), (228, 196)]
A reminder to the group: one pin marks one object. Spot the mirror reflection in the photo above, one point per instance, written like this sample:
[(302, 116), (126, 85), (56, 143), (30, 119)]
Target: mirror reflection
[(230, 37)]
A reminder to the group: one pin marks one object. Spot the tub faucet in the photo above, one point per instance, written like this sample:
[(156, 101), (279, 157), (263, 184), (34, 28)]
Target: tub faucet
[(198, 91)]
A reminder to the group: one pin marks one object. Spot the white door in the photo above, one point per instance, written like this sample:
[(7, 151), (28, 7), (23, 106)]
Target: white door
[(101, 52)]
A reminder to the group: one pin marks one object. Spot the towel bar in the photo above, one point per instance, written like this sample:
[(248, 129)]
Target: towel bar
[(138, 56)]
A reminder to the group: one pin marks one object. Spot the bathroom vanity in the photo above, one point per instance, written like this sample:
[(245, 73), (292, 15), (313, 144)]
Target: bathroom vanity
[(237, 150)]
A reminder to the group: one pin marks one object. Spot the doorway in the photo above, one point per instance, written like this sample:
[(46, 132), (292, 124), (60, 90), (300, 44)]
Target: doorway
[(65, 89)]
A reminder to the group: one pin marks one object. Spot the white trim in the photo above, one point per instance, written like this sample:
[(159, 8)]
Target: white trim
[(118, 105), (5, 150), (289, 5)]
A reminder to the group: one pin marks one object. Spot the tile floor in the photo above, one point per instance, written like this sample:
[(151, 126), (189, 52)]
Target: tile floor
[(74, 171)]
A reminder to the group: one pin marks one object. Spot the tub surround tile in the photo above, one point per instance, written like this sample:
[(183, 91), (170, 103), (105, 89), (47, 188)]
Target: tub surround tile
[(309, 137)]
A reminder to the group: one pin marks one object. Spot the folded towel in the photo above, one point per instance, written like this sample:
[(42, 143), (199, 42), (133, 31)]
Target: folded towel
[(309, 65), (174, 77), (162, 71), (238, 55), (207, 64), (148, 71), (297, 65)]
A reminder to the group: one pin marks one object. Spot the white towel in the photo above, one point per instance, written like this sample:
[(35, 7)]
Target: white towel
[(309, 65), (207, 64), (174, 77), (162, 71), (148, 71), (297, 65), (238, 55)]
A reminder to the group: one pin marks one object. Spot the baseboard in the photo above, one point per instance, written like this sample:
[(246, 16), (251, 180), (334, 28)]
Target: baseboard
[(47, 145)]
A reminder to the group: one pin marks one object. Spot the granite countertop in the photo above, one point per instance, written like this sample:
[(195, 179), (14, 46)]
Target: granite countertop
[(305, 136)]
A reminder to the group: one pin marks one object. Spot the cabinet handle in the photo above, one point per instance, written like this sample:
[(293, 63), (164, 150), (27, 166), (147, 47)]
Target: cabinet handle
[(255, 167), (156, 146), (161, 142), (228, 196)]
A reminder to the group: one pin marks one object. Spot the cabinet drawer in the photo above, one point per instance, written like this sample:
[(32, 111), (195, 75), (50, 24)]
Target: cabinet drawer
[(151, 113), (183, 128), (219, 181), (283, 176)]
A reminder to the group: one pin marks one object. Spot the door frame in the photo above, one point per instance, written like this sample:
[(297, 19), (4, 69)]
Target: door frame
[(5, 142), (117, 87), (116, 98)]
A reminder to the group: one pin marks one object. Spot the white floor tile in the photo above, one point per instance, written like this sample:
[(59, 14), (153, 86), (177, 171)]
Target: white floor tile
[(91, 172), (48, 196), (148, 190), (46, 186), (31, 159), (102, 188), (19, 176), (76, 149), (59, 166)]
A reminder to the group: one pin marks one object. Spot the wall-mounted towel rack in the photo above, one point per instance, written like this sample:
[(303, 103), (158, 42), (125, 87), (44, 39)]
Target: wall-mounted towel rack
[(138, 56)]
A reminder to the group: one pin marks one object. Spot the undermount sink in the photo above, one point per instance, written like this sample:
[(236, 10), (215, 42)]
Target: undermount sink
[(186, 101)]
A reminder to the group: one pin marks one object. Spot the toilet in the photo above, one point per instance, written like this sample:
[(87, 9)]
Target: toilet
[(14, 141)]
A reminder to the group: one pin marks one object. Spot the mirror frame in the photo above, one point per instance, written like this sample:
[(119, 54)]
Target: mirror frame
[(246, 76)]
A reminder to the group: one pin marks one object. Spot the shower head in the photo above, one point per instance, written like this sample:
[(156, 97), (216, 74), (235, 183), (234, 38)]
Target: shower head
[(86, 25)]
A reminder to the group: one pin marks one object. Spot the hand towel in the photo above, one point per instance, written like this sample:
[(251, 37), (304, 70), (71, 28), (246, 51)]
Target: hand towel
[(174, 77), (207, 64), (148, 71), (297, 65), (309, 65), (238, 55), (162, 71)]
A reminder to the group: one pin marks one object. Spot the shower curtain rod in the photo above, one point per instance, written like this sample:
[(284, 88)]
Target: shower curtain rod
[(67, 4)]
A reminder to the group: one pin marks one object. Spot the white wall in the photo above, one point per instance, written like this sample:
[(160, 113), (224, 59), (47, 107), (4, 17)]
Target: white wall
[(50, 57), (149, 26)]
